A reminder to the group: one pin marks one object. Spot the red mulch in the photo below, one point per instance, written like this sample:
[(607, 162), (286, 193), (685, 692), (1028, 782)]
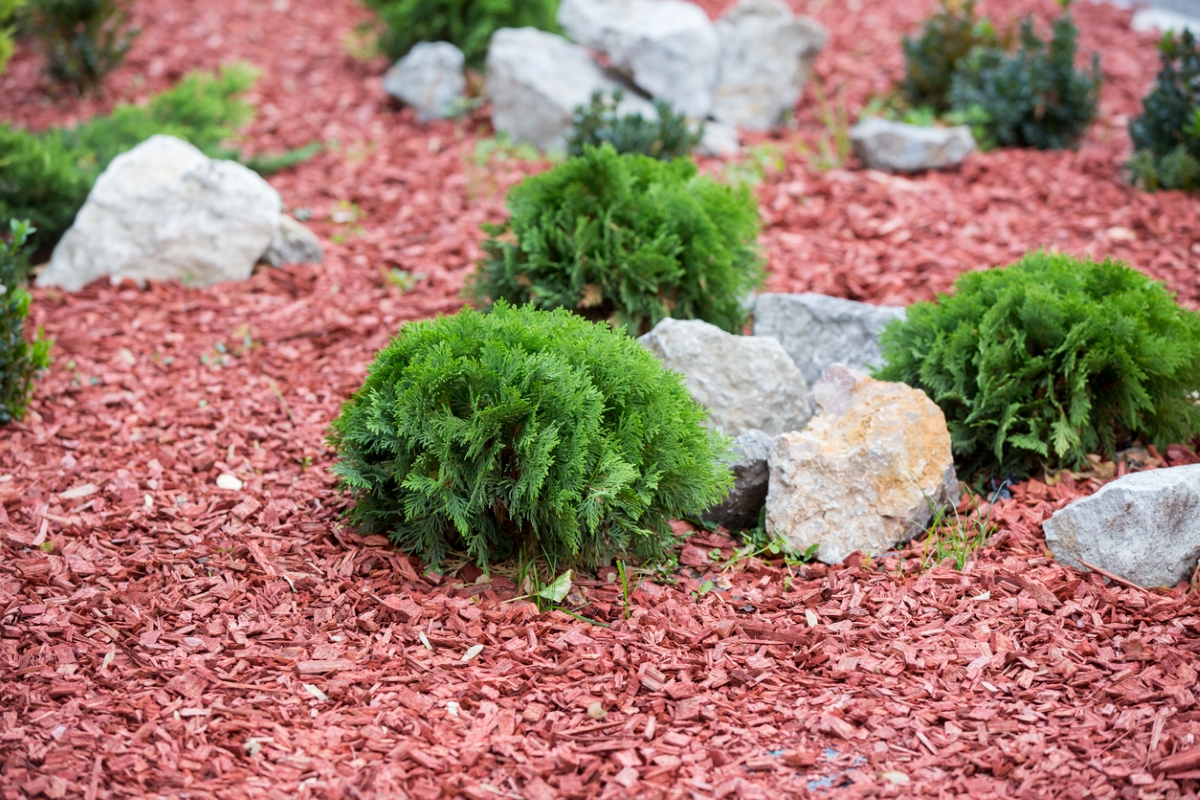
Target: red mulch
[(158, 634)]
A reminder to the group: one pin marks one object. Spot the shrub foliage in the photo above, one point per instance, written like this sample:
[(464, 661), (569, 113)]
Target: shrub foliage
[(932, 58), (19, 358), (1167, 133), (625, 238), (524, 430), (83, 40), (666, 138), (1040, 363), (8, 10)]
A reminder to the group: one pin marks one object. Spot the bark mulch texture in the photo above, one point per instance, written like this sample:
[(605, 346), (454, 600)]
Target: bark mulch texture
[(162, 636)]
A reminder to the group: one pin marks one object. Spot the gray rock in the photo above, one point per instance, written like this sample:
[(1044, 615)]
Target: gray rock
[(293, 244), (719, 139), (165, 211), (430, 79), (745, 382), (740, 509), (817, 330), (898, 147), (1143, 527), (668, 48), (767, 54)]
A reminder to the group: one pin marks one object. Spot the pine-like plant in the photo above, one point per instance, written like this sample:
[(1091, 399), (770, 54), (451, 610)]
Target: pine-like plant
[(524, 431), (666, 138), (83, 40), (932, 58), (19, 359), (1166, 135), (1038, 364), (628, 239)]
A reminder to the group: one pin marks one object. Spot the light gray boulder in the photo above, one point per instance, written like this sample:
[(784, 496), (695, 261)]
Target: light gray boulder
[(767, 53), (740, 509), (668, 48), (1143, 527), (719, 139), (817, 330), (430, 79), (293, 244), (898, 147), (165, 211), (745, 382)]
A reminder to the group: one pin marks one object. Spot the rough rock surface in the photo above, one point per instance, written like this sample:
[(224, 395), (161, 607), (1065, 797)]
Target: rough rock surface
[(293, 244), (720, 139), (899, 147), (767, 53), (165, 211), (745, 382), (430, 78), (1143, 527), (862, 475), (740, 509), (668, 48), (818, 330)]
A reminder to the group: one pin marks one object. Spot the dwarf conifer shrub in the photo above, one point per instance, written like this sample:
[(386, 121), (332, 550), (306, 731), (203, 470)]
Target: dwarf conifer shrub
[(524, 431), (19, 358), (1037, 364), (83, 40), (666, 138), (932, 58), (8, 11), (628, 239), (1166, 135)]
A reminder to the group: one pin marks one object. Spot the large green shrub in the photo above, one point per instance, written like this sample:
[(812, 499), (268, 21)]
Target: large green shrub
[(469, 24), (19, 358), (625, 238), (931, 59), (524, 430), (1166, 135), (1040, 363), (83, 40), (666, 138), (8, 10)]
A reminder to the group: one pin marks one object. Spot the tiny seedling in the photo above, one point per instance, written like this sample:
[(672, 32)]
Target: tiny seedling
[(833, 144), (623, 573), (955, 537)]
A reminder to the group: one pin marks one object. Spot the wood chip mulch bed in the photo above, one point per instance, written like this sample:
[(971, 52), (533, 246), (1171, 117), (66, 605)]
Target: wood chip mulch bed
[(161, 636)]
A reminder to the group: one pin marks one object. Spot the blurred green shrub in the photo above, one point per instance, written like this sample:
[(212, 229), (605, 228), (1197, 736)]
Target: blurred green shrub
[(1166, 136), (20, 359), (666, 138), (932, 58), (8, 12), (82, 40)]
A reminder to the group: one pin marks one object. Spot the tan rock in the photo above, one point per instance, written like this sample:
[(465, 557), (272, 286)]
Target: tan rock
[(862, 474)]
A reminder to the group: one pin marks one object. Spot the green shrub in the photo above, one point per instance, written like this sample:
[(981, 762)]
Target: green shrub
[(468, 24), (1040, 363), (83, 40), (628, 239), (1034, 97), (1166, 135), (931, 59), (524, 431), (19, 359), (8, 11), (666, 138)]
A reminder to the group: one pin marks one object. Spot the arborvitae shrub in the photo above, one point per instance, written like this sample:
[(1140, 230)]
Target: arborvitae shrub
[(19, 358), (524, 430), (1040, 363), (468, 24), (8, 10), (666, 138), (83, 40), (930, 60), (1167, 134), (628, 239)]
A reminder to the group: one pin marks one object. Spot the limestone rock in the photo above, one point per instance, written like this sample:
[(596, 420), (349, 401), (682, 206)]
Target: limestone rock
[(817, 330), (165, 211), (293, 244), (745, 382), (668, 48), (898, 147), (1143, 527), (719, 139), (430, 79), (767, 53), (862, 475), (740, 509)]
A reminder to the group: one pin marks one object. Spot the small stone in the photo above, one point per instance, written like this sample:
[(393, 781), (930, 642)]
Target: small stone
[(899, 147), (293, 244), (596, 711), (430, 79), (740, 510), (229, 482)]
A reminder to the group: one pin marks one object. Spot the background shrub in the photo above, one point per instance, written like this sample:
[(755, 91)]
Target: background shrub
[(1040, 363), (82, 40), (666, 138), (1167, 133), (931, 59), (524, 430), (468, 24), (625, 238), (8, 10), (19, 359)]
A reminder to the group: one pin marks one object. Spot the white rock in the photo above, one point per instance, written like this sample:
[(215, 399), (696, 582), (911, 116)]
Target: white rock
[(864, 472), (817, 330), (165, 211), (740, 509), (229, 482), (668, 48), (719, 139), (430, 79), (293, 244), (898, 147), (767, 54), (745, 382), (1143, 527)]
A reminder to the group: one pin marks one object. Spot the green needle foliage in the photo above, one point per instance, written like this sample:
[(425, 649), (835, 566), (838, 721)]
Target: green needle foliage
[(8, 11), (628, 239), (1040, 363), (83, 40), (932, 58), (1167, 134), (524, 432), (19, 359), (666, 138)]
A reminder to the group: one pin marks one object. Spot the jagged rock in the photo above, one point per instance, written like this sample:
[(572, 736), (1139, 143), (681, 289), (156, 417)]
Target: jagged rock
[(719, 139), (430, 79), (668, 48), (293, 244), (898, 147), (745, 382), (740, 509), (767, 53), (165, 211), (1143, 527), (817, 330), (863, 473)]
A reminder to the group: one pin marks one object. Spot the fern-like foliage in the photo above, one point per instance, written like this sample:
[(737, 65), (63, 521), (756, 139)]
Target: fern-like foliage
[(83, 40), (668, 137), (1040, 363), (524, 430), (19, 359), (628, 239), (932, 58), (1166, 135)]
